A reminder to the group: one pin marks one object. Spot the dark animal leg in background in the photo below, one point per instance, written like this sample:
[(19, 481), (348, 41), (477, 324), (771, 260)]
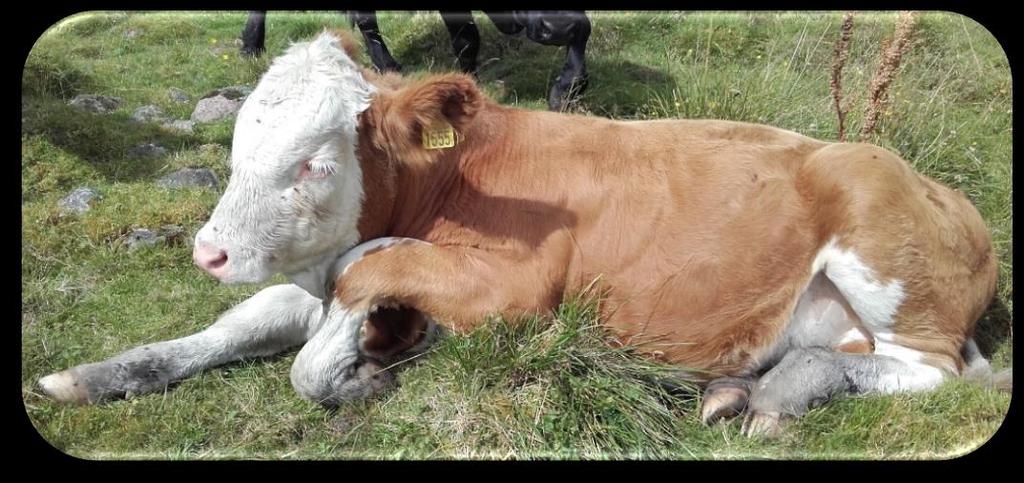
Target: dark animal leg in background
[(573, 80), (465, 38), (505, 21), (366, 21), (253, 33), (548, 28)]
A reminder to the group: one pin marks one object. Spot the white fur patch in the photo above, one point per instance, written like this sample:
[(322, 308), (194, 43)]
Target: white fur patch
[(876, 303), (914, 376), (852, 335), (301, 117)]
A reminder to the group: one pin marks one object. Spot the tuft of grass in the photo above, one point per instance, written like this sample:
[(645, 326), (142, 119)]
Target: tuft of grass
[(544, 387)]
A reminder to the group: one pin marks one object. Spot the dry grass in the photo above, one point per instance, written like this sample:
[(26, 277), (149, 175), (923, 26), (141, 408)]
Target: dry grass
[(888, 66)]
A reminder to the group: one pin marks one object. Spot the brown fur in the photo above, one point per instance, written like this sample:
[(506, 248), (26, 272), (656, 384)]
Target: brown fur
[(701, 232)]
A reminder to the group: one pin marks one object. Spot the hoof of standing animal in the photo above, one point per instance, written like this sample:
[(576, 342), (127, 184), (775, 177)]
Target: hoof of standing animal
[(252, 51), (565, 94)]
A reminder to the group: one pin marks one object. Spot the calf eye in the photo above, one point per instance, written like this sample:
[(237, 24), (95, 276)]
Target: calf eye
[(315, 169)]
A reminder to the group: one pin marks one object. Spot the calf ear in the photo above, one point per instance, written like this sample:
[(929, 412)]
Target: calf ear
[(348, 44), (397, 118)]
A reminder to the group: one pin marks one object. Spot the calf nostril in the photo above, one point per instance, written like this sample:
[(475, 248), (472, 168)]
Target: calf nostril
[(210, 258), (219, 260)]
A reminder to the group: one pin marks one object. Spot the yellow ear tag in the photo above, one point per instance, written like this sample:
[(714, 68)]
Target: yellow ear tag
[(439, 136)]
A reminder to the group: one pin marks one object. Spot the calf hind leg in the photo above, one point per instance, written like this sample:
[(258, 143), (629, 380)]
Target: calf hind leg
[(808, 377), (725, 397), (269, 322)]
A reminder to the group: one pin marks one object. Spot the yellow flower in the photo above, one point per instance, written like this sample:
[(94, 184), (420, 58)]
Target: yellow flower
[(225, 56), (213, 40)]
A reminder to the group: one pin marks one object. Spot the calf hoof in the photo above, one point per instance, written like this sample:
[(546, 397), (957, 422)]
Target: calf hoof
[(376, 378), (724, 398), (360, 381), (767, 424), (64, 387)]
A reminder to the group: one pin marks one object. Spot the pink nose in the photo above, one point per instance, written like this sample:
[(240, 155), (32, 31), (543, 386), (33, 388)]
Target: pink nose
[(211, 259)]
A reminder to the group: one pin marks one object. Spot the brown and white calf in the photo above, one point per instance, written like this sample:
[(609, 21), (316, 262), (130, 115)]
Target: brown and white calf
[(778, 269)]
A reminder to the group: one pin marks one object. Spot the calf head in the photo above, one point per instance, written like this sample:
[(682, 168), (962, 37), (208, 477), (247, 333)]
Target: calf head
[(299, 157)]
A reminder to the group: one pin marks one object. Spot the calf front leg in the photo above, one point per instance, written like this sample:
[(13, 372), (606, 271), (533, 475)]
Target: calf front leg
[(269, 322), (330, 368), (399, 286)]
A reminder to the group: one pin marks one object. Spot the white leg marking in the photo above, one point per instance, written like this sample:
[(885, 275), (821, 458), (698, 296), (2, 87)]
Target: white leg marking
[(270, 321), (912, 375), (876, 303)]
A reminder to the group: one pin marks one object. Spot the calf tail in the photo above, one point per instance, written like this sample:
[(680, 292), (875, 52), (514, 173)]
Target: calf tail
[(980, 372)]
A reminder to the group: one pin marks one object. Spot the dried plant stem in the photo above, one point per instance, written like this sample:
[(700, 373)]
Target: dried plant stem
[(842, 50), (886, 72)]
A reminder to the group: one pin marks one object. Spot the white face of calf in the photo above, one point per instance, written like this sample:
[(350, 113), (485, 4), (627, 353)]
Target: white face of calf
[(295, 193)]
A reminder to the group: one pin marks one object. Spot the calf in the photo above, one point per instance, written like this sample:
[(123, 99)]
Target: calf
[(778, 270), (568, 28)]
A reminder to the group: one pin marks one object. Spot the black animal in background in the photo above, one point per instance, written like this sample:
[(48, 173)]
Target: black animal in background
[(568, 28)]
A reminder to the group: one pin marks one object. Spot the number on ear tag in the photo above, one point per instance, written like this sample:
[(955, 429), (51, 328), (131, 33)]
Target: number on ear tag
[(439, 136)]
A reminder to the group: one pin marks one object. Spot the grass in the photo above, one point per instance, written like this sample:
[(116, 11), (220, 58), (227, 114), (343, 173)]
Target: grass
[(540, 388)]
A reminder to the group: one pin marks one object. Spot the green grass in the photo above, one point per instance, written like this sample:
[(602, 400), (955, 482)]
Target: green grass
[(547, 388)]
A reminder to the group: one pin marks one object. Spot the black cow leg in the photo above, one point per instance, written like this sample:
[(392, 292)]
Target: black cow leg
[(573, 80), (505, 21), (465, 38), (253, 33), (366, 21)]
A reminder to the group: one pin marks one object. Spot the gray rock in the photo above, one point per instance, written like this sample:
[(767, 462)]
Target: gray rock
[(77, 201), (231, 92), (178, 95), (220, 104), (180, 125), (149, 113), (214, 109), (95, 103), (141, 237), (190, 178), (172, 234), (148, 150)]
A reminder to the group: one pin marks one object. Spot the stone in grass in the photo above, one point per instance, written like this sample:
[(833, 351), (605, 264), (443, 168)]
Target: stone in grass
[(178, 95), (220, 104), (142, 237), (183, 126), (149, 113), (190, 178), (77, 201), (172, 234), (147, 150), (95, 103)]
